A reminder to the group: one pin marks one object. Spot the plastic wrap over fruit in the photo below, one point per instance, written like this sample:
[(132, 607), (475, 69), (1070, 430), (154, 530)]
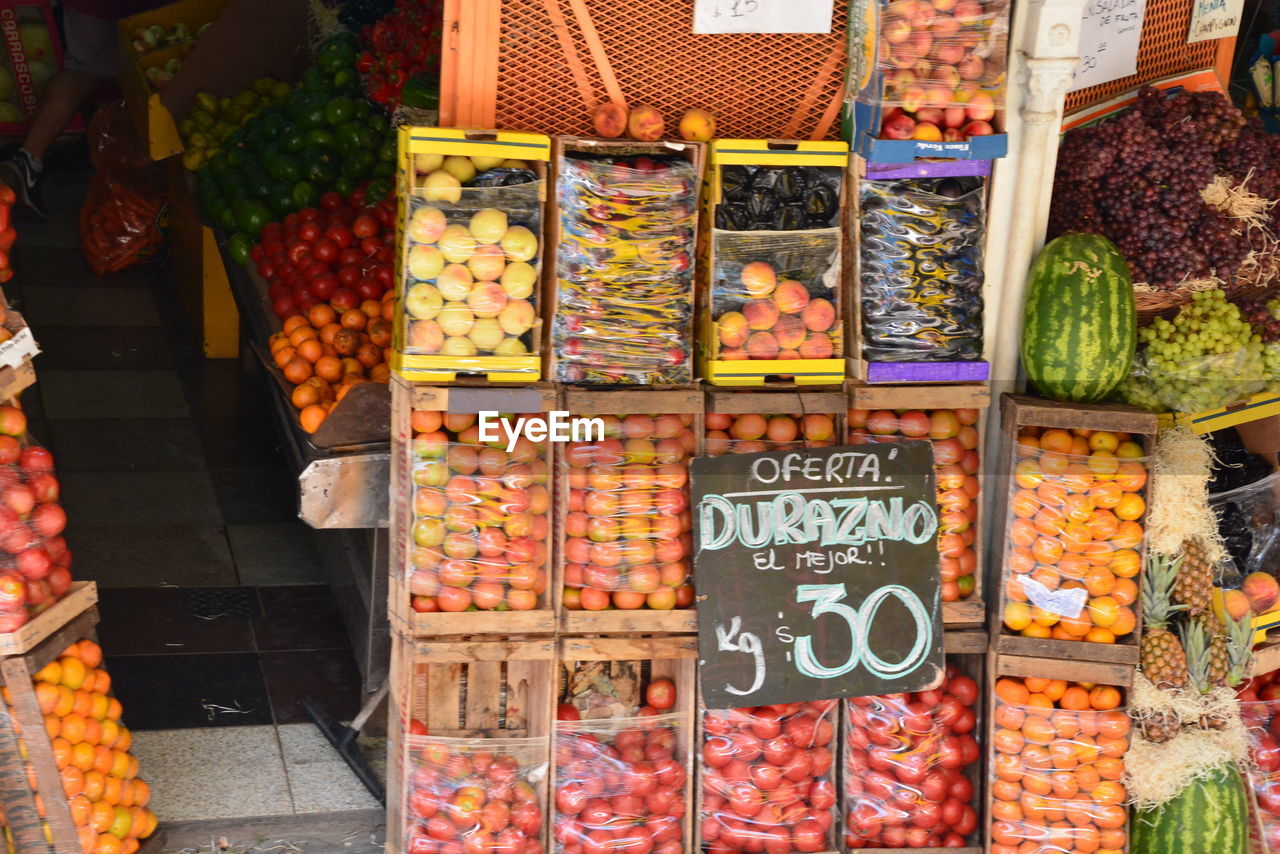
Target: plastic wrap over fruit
[(954, 434), (907, 759), (627, 528), (943, 67), (472, 257), (1249, 521), (776, 296), (1075, 535), (778, 198), (921, 269), (1057, 768), (35, 564), (620, 785), (768, 778), (480, 526), (1194, 385), (750, 433), (625, 270), (476, 794)]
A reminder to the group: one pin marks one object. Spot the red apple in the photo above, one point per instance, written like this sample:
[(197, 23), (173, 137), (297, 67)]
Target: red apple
[(978, 129), (899, 127)]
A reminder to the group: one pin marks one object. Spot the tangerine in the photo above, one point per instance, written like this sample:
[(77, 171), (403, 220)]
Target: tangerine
[(312, 417)]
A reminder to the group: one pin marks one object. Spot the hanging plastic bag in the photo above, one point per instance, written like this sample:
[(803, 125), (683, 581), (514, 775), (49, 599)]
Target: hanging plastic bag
[(122, 214), (1249, 521)]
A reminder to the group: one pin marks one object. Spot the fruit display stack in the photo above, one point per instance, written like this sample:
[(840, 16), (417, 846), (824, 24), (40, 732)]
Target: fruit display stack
[(939, 68), (479, 536), (624, 274), (909, 761), (1057, 767), (955, 439), (775, 270), (921, 269), (35, 563), (751, 433), (91, 746), (401, 56), (471, 256), (621, 779), (768, 778), (1259, 705), (477, 795), (627, 541), (1074, 535)]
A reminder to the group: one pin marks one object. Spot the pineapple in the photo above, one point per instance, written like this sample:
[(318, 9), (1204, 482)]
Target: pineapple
[(1240, 648), (1196, 644), (1219, 654), (1163, 660), (1194, 586)]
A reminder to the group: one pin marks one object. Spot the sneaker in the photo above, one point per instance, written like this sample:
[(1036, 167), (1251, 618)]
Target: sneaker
[(24, 179)]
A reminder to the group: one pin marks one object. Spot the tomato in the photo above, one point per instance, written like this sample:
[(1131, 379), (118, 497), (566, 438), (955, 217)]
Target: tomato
[(369, 288), (364, 226), (325, 250), (961, 789), (746, 746), (571, 799), (934, 785), (340, 235), (808, 836), (324, 287), (948, 710), (778, 750), (370, 246), (717, 751), (349, 275), (952, 812), (661, 693), (949, 755), (310, 231), (299, 252), (968, 821), (963, 689), (660, 799), (822, 794), (331, 201), (568, 712), (766, 777)]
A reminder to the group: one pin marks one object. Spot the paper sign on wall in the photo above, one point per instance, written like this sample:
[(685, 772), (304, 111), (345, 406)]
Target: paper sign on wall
[(1109, 34), (1214, 19), (762, 16)]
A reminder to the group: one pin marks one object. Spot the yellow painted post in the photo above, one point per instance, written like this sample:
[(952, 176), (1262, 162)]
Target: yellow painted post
[(221, 318)]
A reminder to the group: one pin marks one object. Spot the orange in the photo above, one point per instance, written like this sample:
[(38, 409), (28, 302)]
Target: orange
[(1103, 610), (119, 764), (1075, 537), (303, 396), (82, 756), (1037, 782), (1025, 503), (1077, 478), (72, 728), (1009, 717), (130, 845), (1042, 617), (311, 350), (1113, 724), (1035, 630), (1021, 561), (99, 705), (115, 712), (1088, 778), (1056, 439), (103, 814), (1035, 684), (1128, 535), (87, 837), (1008, 741), (1104, 697), (282, 356), (107, 844), (95, 783), (102, 759), (1054, 689), (139, 825), (293, 322), (302, 333), (88, 652), (92, 731), (141, 793), (1100, 635), (52, 726), (1130, 508), (1110, 815), (1065, 724), (1027, 474), (46, 697), (61, 752), (125, 741), (1073, 566), (1036, 758), (1037, 730), (1048, 576), (111, 790), (1108, 792), (1005, 790), (1113, 838), (72, 781), (1106, 494), (1074, 698), (1112, 746), (1006, 811), (1063, 755), (1131, 477), (1051, 494), (1125, 622), (120, 823), (1022, 533), (73, 672), (50, 673), (1099, 581), (1102, 524), (1048, 521), (80, 808), (66, 701), (1011, 691), (1038, 704), (1125, 591), (1015, 592), (1125, 563)]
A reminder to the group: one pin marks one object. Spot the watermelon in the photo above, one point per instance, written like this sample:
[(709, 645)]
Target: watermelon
[(1210, 815), (1079, 324)]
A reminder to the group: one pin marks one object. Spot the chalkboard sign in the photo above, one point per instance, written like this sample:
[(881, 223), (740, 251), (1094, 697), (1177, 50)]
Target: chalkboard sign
[(817, 574)]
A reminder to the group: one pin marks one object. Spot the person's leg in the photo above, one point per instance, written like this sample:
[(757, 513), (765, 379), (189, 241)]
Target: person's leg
[(62, 98)]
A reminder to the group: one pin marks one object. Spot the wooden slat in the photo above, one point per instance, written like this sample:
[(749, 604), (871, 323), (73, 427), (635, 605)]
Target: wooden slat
[(82, 596), (776, 403), (964, 642), (1072, 670), (519, 399), (623, 649), (1022, 411), (484, 689), (951, 396), (443, 697), (490, 650), (624, 622), (1111, 653), (966, 613), (642, 401)]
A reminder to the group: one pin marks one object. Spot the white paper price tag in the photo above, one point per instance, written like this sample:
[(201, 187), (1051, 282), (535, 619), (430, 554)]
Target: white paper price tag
[(1064, 603), (762, 16)]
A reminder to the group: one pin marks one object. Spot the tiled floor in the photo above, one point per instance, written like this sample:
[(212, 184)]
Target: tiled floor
[(214, 611)]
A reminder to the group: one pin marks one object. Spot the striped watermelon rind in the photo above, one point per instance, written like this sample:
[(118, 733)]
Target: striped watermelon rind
[(1079, 323), (1209, 816)]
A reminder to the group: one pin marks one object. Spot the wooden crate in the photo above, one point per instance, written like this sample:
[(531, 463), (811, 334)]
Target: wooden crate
[(82, 596), (33, 784), (998, 665), (407, 398), (672, 657), (1017, 411), (967, 650), (584, 403), (971, 611), (464, 689), (776, 402), (561, 146)]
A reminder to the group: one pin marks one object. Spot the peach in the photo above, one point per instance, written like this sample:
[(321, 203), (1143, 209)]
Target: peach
[(932, 115), (967, 11), (978, 129), (425, 164), (895, 29), (458, 346), (899, 126), (790, 331), (1235, 603), (948, 54), (486, 334), (981, 107), (426, 225), (760, 314), (762, 345), (913, 98), (733, 354), (511, 347), (746, 427), (517, 317), (425, 336), (488, 263), (818, 427), (455, 319), (943, 5), (488, 225), (519, 243), (759, 279), (424, 262), (971, 67), (952, 135), (454, 282), (456, 244), (788, 354), (731, 329), (609, 120), (818, 315), (901, 56), (953, 118), (944, 27), (782, 428), (440, 186), (791, 296), (1262, 591), (816, 346), (487, 299), (697, 125), (518, 280), (927, 132), (947, 77), (423, 301), (646, 124)]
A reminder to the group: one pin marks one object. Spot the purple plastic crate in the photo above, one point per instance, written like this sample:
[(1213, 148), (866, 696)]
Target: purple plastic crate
[(928, 372), (929, 169)]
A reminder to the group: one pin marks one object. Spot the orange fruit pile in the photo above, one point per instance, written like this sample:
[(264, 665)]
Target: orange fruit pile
[(954, 435), (325, 352), (91, 749), (1057, 767), (751, 434), (1077, 508)]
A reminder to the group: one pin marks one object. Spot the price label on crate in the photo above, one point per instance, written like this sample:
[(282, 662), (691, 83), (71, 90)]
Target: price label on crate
[(817, 574), (762, 16)]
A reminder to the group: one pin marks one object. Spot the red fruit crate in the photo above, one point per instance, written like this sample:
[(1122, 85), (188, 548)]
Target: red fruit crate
[(470, 525), (543, 65), (612, 677), (481, 691), (1064, 530), (867, 401), (613, 507)]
